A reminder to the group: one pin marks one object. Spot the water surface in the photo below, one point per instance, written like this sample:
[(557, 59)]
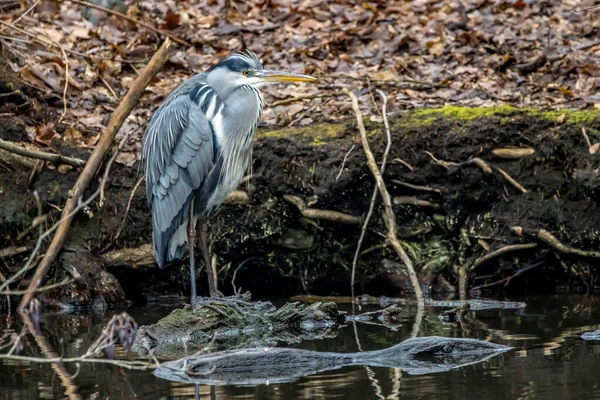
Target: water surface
[(550, 360)]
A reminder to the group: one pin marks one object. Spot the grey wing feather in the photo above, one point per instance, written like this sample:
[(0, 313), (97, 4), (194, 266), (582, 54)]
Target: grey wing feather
[(178, 154)]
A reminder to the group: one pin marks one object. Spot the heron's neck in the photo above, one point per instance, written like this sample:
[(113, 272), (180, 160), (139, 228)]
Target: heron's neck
[(241, 113)]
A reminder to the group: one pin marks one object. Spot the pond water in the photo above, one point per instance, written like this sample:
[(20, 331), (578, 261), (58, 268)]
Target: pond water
[(549, 360)]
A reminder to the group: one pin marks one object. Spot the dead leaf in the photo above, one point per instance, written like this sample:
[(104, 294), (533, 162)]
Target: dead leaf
[(127, 158), (566, 91), (74, 137), (594, 148), (44, 134), (64, 168), (171, 20), (436, 48), (311, 24), (386, 75), (561, 118)]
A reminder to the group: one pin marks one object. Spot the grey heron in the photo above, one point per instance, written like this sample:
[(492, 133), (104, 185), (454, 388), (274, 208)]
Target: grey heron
[(197, 148)]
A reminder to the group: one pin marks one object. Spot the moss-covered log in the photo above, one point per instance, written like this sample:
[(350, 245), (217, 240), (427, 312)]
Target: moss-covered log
[(234, 322), (465, 199)]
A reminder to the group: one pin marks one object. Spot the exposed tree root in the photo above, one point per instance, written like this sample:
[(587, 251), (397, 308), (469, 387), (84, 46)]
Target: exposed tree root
[(552, 241), (387, 201), (500, 251), (314, 213)]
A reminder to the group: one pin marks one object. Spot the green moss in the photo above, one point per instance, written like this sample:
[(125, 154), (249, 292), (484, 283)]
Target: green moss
[(320, 133), (323, 133), (426, 117)]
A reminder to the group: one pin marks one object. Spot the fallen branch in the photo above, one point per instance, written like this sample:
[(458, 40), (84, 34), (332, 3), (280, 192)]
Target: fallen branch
[(387, 201), (174, 37), (314, 213), (500, 251), (40, 155), (93, 163)]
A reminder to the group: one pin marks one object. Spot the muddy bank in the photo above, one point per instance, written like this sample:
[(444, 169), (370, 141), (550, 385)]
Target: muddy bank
[(461, 194)]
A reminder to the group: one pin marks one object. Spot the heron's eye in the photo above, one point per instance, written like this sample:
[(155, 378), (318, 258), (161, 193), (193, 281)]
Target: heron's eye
[(246, 73)]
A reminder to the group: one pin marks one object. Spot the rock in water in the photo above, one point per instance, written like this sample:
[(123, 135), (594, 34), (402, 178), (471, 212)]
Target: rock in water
[(257, 366)]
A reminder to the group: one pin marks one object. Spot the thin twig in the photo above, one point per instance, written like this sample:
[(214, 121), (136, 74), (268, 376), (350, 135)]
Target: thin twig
[(40, 155), (22, 15), (415, 187), (507, 280), (174, 37), (93, 163), (135, 188), (300, 98), (344, 162), (387, 201)]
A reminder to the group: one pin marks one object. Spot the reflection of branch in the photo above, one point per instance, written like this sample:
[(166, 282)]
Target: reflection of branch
[(93, 163), (387, 201), (52, 357), (508, 278)]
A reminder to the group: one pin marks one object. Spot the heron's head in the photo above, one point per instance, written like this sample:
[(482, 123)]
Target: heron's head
[(244, 68)]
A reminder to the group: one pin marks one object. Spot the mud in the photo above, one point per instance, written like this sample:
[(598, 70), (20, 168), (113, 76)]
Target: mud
[(276, 251)]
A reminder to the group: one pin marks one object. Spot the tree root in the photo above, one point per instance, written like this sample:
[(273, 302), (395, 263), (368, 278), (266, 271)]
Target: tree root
[(552, 241), (387, 201), (485, 167), (314, 213), (500, 251)]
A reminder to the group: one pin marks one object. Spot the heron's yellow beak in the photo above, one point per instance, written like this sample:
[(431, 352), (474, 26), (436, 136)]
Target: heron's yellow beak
[(277, 76)]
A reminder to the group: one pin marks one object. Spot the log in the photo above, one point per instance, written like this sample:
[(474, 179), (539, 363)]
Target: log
[(259, 366)]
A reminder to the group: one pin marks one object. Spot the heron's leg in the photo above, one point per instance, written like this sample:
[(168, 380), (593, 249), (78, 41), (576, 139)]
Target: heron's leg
[(212, 274), (192, 244)]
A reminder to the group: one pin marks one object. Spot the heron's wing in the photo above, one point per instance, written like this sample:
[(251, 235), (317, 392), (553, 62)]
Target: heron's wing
[(179, 152)]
